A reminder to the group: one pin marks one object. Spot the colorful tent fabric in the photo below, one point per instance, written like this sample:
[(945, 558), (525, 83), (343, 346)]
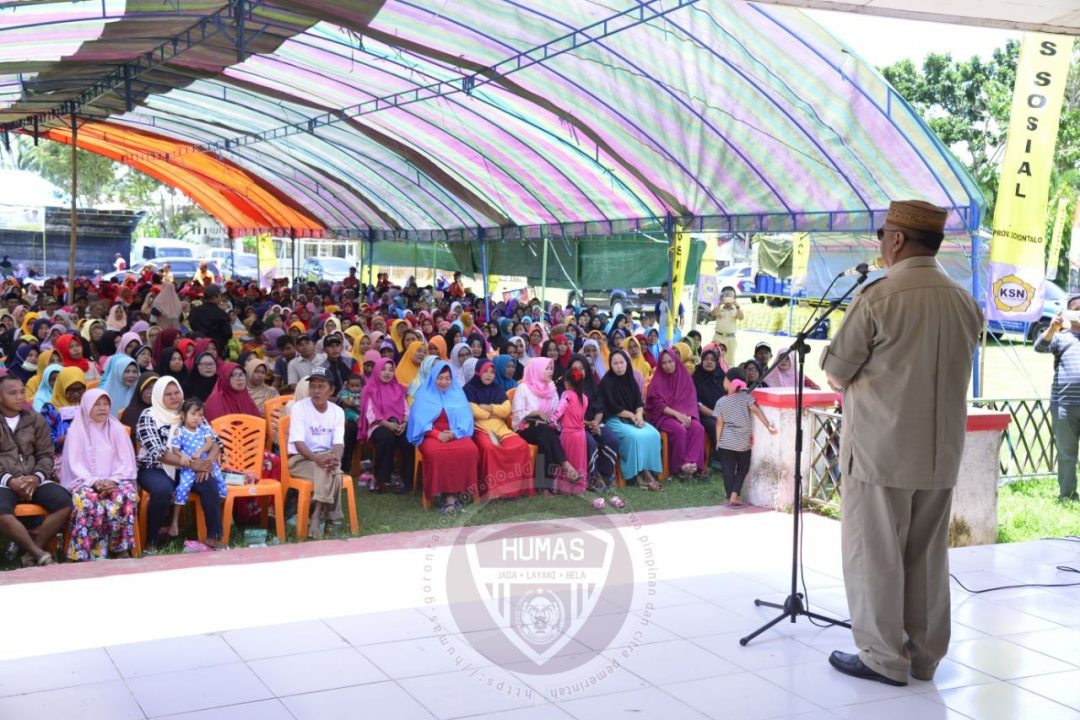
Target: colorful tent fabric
[(383, 119)]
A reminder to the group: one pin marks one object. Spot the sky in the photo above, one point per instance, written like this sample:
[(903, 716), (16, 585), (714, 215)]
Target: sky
[(882, 41)]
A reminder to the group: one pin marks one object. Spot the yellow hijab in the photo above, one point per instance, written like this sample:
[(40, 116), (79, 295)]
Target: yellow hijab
[(601, 340), (65, 379), (638, 363), (409, 365), (686, 354), (355, 335), (397, 329), (28, 322)]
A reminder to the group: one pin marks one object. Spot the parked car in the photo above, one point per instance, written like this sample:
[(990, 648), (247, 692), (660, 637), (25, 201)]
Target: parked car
[(332, 269), (246, 267), (619, 300), (147, 249)]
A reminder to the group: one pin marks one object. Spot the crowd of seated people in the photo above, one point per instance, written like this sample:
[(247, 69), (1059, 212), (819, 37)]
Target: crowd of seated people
[(110, 393)]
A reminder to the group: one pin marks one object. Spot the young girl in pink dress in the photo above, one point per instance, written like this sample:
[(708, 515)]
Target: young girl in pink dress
[(570, 416)]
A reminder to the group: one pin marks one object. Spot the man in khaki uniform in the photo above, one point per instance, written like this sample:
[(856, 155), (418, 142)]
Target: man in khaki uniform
[(727, 315), (902, 358)]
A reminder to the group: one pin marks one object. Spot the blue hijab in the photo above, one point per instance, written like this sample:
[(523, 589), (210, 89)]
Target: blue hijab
[(112, 380), (44, 391), (429, 403), (501, 361)]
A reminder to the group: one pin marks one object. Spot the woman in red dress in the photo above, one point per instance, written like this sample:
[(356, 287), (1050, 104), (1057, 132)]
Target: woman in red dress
[(505, 458), (441, 426)]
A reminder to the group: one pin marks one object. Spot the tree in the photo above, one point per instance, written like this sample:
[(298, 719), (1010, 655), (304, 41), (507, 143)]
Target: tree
[(97, 173), (967, 104)]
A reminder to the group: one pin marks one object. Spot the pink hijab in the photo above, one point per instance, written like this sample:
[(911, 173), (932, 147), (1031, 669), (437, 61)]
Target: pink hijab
[(670, 390), (534, 378), (384, 400), (96, 451)]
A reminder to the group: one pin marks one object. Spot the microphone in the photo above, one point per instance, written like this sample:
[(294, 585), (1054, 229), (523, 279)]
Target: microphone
[(864, 268)]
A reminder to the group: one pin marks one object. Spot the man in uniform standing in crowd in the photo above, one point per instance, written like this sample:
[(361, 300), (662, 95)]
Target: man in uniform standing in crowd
[(902, 358)]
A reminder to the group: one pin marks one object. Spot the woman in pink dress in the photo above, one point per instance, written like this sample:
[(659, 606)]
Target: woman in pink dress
[(570, 416), (671, 407)]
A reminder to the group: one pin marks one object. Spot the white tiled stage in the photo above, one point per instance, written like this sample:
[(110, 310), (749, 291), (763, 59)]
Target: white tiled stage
[(347, 636)]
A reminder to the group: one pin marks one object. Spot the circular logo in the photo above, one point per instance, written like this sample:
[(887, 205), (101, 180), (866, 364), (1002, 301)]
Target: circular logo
[(1013, 294), (539, 616)]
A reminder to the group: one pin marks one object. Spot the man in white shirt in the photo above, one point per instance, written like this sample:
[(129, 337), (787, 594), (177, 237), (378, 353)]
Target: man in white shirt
[(316, 442)]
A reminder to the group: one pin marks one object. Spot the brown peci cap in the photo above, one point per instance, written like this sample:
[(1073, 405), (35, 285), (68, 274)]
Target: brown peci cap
[(917, 215)]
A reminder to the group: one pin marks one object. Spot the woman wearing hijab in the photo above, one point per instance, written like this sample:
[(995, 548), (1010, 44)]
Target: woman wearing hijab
[(144, 358), (709, 386), (505, 369), (537, 336), (230, 395), (458, 356), (441, 425), (98, 468), (421, 377), (564, 349), (118, 381), (165, 339), (410, 362), (71, 349), (203, 377), (506, 466), (603, 445), (43, 393), (129, 342), (140, 400), (672, 407), (202, 345), (518, 350), (23, 364), (535, 399), (258, 387), (637, 359), (784, 375), (171, 362), (63, 405), (384, 414), (167, 308), (117, 320), (367, 367), (158, 464), (624, 415), (437, 346), (592, 351)]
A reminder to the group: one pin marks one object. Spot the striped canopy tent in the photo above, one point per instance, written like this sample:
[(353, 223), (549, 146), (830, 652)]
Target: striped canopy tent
[(428, 120)]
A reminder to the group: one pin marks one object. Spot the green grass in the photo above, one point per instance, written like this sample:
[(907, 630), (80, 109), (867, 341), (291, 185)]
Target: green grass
[(386, 513), (1030, 510)]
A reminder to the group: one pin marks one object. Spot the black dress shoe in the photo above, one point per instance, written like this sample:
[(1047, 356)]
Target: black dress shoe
[(852, 664)]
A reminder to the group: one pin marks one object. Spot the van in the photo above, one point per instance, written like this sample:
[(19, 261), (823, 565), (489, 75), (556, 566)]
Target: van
[(147, 249)]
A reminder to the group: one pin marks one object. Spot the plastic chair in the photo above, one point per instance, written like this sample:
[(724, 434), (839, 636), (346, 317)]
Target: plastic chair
[(620, 481), (272, 409), (305, 489), (244, 439)]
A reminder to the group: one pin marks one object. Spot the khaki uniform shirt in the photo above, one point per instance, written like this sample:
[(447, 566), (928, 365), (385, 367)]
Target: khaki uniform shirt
[(726, 319), (904, 352)]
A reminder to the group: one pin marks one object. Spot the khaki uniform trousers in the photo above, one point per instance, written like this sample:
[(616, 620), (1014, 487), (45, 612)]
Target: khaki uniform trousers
[(895, 545)]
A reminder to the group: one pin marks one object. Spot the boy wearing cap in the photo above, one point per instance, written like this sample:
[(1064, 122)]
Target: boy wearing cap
[(903, 359)]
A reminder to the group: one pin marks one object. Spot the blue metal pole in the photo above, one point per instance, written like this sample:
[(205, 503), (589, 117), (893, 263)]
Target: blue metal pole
[(484, 269)]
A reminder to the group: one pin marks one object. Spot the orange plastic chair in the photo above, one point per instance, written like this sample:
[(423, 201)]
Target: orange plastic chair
[(244, 439), (272, 409), (620, 481), (305, 489)]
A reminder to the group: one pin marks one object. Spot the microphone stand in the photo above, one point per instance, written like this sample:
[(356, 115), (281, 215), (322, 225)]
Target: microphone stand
[(793, 606)]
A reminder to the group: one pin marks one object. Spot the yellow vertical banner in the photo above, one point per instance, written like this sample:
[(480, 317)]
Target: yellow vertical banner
[(1018, 247), (800, 260), (267, 259), (680, 255), (1055, 239)]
